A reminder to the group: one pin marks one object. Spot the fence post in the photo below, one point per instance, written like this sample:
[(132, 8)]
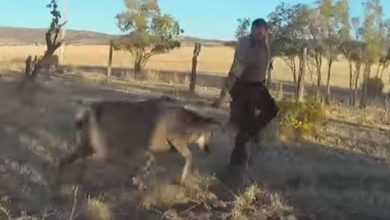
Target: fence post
[(281, 94), (194, 65), (301, 78), (109, 67), (28, 68)]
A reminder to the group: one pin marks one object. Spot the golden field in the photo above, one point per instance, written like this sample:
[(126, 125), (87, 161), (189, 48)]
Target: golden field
[(212, 60)]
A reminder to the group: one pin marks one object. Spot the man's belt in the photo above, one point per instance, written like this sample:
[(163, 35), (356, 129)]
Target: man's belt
[(250, 83)]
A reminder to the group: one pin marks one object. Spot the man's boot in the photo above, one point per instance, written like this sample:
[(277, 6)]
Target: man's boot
[(239, 154)]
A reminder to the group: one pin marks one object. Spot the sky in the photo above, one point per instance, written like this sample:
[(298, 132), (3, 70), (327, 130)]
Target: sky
[(212, 19)]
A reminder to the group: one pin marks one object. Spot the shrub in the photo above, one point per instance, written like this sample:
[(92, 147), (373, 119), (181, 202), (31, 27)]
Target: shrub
[(299, 119)]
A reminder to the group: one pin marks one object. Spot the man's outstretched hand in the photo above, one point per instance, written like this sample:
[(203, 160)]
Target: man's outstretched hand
[(228, 84)]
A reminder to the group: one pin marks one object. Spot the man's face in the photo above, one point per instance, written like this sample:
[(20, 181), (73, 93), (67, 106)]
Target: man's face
[(260, 32)]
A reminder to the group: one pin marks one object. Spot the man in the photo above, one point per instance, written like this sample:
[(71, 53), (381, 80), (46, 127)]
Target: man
[(252, 107)]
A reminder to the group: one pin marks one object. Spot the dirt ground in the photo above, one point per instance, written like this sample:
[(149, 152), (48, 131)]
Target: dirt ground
[(343, 173)]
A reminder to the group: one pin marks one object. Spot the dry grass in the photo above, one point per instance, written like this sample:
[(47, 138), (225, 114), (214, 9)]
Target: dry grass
[(195, 191), (4, 213), (325, 177), (213, 60), (257, 203), (97, 210)]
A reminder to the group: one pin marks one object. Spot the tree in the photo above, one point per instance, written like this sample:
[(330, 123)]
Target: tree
[(48, 60), (373, 35), (353, 51), (150, 32), (317, 47), (337, 27), (242, 28), (384, 58), (384, 62), (51, 36), (288, 26)]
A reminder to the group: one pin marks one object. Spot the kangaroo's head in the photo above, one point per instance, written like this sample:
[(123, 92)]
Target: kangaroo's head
[(202, 130), (203, 140)]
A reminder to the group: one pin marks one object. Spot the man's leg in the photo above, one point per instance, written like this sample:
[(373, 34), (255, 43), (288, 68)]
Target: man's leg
[(268, 111), (242, 113), (239, 154)]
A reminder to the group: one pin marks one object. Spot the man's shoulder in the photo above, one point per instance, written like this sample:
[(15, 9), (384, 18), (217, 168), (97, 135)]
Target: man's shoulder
[(244, 41)]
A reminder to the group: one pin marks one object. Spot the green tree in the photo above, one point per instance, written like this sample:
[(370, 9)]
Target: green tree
[(384, 58), (52, 34), (242, 28), (317, 47), (353, 51), (383, 64), (335, 16), (150, 32), (289, 27), (373, 36)]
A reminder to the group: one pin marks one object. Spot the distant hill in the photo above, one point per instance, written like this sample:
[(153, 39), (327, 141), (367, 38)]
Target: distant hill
[(29, 36), (23, 36)]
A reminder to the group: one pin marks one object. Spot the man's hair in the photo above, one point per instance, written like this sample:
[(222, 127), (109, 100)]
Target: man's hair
[(260, 22)]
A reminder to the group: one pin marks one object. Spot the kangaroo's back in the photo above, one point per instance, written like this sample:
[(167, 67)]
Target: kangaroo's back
[(130, 126)]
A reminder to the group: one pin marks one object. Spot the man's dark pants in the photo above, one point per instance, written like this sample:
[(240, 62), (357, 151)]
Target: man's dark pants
[(251, 109)]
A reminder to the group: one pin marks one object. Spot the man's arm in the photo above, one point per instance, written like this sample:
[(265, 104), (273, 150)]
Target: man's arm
[(236, 71), (227, 86), (269, 73), (270, 62)]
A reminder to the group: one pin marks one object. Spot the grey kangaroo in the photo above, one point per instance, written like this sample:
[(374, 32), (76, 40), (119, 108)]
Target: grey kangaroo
[(118, 130)]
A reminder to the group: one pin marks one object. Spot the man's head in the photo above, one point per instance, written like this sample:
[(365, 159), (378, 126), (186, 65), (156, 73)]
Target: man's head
[(259, 29)]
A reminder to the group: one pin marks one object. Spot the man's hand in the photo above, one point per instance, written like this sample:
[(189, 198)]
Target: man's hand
[(227, 86)]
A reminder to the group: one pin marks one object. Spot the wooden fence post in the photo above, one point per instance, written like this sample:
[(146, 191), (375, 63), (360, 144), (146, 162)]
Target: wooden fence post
[(194, 65), (109, 67), (301, 79), (28, 69)]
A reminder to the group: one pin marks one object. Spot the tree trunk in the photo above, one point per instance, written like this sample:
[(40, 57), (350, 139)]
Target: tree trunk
[(327, 95), (138, 64), (358, 66), (294, 72), (383, 70), (366, 76), (301, 79), (137, 68), (350, 82), (378, 70), (319, 75), (293, 67)]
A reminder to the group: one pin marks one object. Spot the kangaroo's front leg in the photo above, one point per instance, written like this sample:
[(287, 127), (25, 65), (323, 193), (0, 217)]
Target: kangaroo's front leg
[(182, 147)]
